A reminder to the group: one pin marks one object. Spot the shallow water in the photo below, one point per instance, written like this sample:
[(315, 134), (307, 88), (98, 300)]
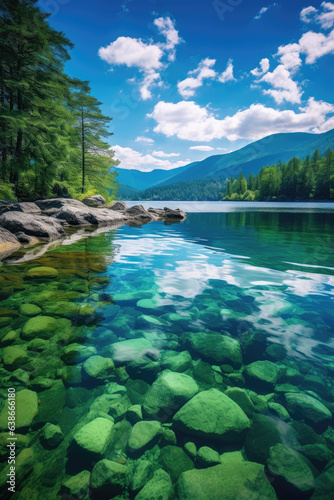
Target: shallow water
[(264, 278)]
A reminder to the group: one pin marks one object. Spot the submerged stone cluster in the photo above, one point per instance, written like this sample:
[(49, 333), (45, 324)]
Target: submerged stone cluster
[(119, 396)]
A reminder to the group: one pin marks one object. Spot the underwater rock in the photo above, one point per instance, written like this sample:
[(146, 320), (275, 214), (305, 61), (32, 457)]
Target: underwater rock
[(276, 352), (119, 408), (98, 368), (40, 383), (207, 457), (214, 347), (14, 357), (128, 350), (134, 414), (51, 436), (262, 373), (93, 439), (94, 201), (30, 310), (175, 461), (230, 457), (8, 243), (302, 406), (76, 353), (9, 338), (280, 411), (26, 409), (176, 361), (158, 488), (264, 433), (168, 393), (39, 326), (24, 464), (288, 472), (108, 479), (42, 272), (324, 484), (51, 405), (77, 486), (212, 415), (144, 435), (247, 480), (318, 454), (141, 474), (143, 368), (242, 399)]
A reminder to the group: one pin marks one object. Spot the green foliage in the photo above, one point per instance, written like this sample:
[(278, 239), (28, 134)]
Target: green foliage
[(40, 146), (295, 180)]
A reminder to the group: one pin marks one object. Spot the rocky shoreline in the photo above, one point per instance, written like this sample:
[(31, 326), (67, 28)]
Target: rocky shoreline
[(29, 223)]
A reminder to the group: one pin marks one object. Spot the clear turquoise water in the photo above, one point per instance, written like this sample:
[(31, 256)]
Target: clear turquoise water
[(236, 273)]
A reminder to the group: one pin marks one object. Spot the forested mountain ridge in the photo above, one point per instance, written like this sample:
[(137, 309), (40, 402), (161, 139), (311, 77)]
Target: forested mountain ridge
[(251, 158), (143, 180)]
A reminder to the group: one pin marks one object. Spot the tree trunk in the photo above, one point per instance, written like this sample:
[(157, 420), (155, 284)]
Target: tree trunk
[(83, 149)]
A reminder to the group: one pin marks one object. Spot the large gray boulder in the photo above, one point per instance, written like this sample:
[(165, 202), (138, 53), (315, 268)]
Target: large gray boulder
[(26, 207), (8, 243), (34, 225), (119, 205), (94, 201), (176, 214), (83, 216), (140, 213), (212, 415)]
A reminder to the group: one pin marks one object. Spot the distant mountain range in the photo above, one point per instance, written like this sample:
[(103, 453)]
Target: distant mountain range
[(248, 159)]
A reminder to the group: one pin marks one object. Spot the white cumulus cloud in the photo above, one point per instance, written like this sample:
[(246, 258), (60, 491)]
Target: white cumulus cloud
[(144, 139), (147, 57), (204, 71), (264, 67), (202, 148), (285, 89), (162, 154), (324, 16), (131, 159), (189, 121)]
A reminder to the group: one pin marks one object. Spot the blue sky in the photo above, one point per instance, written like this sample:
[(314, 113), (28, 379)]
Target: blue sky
[(187, 79)]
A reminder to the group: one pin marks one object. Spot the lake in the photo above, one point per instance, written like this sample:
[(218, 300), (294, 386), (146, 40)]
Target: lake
[(172, 349)]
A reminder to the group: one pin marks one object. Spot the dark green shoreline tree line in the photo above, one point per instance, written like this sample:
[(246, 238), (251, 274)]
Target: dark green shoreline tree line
[(312, 178), (52, 131)]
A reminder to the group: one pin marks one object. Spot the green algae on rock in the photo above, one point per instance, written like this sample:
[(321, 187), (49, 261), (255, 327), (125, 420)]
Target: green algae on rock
[(213, 415), (247, 480), (93, 439), (42, 272), (39, 326), (26, 403)]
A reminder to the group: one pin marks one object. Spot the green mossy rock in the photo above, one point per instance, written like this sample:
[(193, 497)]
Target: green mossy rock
[(215, 348), (98, 368), (289, 473), (51, 436), (52, 402), (302, 406), (324, 485), (206, 457), (77, 486), (318, 454), (264, 433), (26, 409), (262, 374), (241, 397), (93, 439), (230, 457), (134, 414), (174, 461), (158, 488), (39, 326), (212, 414), (76, 353), (9, 338), (169, 392), (42, 272), (176, 361), (144, 435), (141, 474), (14, 357), (128, 350), (30, 310), (280, 411), (228, 481), (108, 479)]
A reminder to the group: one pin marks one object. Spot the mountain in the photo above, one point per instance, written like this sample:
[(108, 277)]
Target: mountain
[(256, 155), (143, 180)]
